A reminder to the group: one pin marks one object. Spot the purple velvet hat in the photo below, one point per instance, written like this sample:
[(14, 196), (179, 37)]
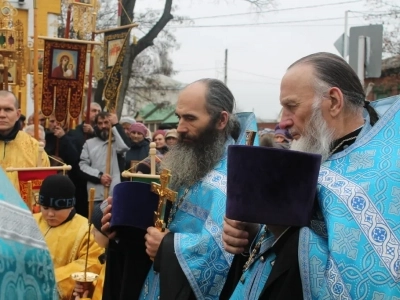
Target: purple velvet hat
[(133, 205), (271, 186)]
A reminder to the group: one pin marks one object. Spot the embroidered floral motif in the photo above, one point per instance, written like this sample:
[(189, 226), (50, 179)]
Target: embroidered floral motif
[(395, 203), (346, 240), (361, 160)]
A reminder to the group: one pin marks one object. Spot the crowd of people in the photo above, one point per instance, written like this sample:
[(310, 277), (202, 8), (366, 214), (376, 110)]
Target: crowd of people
[(348, 248)]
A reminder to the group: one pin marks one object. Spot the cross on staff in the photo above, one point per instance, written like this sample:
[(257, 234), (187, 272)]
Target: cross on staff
[(165, 194)]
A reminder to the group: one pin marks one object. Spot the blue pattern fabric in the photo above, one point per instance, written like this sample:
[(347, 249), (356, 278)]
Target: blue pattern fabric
[(255, 277), (247, 121), (26, 270), (357, 254), (197, 229)]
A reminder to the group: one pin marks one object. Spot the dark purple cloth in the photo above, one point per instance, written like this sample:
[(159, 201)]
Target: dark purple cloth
[(133, 205), (271, 186)]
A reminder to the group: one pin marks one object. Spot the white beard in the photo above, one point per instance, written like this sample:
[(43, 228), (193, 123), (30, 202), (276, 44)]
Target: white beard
[(317, 137)]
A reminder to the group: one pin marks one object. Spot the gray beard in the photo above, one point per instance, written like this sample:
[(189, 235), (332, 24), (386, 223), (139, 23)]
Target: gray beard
[(190, 162), (317, 137)]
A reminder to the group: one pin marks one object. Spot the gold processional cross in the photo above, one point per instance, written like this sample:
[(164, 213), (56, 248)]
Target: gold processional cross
[(165, 194)]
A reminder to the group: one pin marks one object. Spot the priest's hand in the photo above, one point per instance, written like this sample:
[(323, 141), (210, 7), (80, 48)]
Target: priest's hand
[(105, 221), (153, 240), (237, 236)]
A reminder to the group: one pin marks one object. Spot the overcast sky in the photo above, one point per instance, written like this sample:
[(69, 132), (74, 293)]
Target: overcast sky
[(257, 55)]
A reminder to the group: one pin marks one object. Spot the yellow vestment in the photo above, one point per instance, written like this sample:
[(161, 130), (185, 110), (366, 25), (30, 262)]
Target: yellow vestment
[(98, 289), (67, 244), (22, 152)]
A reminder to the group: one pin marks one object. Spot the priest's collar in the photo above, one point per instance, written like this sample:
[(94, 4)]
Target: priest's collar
[(345, 141)]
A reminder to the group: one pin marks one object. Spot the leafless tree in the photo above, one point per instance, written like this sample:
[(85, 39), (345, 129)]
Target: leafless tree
[(389, 16), (155, 24)]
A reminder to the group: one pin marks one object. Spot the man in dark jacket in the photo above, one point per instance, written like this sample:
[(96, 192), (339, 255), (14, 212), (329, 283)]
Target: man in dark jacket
[(59, 144), (80, 134)]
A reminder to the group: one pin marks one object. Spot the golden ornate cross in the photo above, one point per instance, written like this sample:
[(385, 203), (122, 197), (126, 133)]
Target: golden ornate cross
[(165, 194)]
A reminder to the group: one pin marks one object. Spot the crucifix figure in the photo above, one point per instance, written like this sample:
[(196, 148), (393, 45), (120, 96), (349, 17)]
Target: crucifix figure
[(165, 194)]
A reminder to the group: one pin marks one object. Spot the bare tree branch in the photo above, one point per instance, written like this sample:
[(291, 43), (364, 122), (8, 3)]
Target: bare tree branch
[(128, 7), (390, 20), (135, 50)]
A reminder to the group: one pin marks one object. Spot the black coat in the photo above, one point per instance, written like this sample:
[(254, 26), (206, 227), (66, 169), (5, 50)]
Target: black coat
[(138, 152), (65, 148)]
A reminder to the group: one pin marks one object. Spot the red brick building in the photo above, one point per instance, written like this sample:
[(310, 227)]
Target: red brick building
[(389, 82), (267, 125)]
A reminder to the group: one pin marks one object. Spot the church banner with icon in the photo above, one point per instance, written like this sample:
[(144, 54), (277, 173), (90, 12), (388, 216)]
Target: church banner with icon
[(63, 78), (115, 43), (30, 182)]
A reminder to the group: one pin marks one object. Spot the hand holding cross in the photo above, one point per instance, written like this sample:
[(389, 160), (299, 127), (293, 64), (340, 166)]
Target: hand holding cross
[(165, 194)]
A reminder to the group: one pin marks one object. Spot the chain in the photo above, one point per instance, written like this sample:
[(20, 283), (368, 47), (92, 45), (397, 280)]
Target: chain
[(175, 207), (255, 251), (341, 143)]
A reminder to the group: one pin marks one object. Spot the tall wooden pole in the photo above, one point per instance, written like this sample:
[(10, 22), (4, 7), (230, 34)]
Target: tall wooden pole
[(226, 67), (35, 73), (90, 76), (5, 72), (68, 22)]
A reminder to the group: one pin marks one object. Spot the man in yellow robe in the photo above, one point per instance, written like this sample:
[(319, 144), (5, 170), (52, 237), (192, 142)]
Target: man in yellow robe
[(66, 233), (17, 148)]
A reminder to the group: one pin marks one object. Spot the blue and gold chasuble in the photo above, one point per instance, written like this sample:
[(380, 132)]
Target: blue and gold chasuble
[(356, 255), (26, 269), (197, 228)]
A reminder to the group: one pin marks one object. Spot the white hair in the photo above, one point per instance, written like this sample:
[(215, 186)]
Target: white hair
[(30, 129), (317, 137), (94, 104)]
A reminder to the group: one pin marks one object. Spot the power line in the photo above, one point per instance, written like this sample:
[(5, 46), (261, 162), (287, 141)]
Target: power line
[(258, 75), (274, 23), (257, 82), (193, 70), (265, 23), (276, 10)]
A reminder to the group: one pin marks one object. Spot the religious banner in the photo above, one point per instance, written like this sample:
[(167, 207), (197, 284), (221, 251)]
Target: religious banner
[(63, 78), (115, 43), (30, 182)]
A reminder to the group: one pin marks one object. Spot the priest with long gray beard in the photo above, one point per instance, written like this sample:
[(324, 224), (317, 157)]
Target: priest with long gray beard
[(197, 163), (356, 218)]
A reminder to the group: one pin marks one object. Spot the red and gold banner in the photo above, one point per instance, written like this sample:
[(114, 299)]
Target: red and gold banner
[(29, 185), (63, 78)]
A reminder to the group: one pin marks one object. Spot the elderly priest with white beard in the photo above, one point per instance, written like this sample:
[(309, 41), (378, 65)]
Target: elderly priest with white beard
[(350, 247)]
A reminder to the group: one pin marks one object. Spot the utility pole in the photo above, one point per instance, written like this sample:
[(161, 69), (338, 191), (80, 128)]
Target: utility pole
[(226, 67), (346, 39)]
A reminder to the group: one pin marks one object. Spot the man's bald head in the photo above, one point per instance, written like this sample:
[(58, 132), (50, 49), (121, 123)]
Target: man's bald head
[(5, 94)]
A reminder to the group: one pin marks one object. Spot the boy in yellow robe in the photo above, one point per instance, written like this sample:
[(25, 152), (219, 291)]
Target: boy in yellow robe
[(80, 292), (17, 148), (65, 232)]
